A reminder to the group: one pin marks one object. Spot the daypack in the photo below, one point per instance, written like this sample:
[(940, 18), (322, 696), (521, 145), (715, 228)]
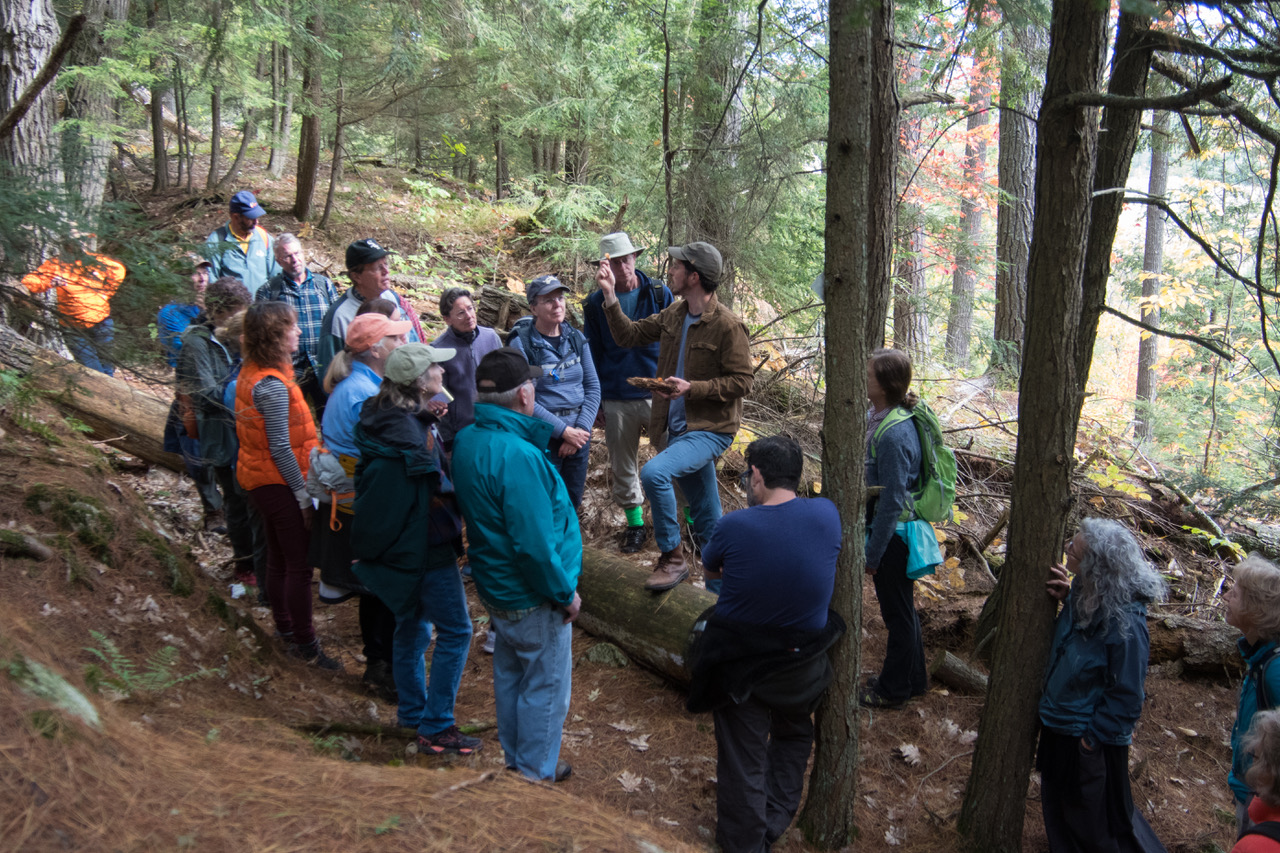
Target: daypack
[(1267, 829), (1258, 672), (523, 329), (936, 487)]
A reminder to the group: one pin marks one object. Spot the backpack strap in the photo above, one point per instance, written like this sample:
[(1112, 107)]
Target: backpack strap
[(1267, 829), (1258, 672), (896, 416)]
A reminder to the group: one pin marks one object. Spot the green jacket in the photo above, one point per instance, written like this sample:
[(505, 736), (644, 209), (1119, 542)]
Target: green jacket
[(717, 362), (203, 367), (524, 544), (400, 493)]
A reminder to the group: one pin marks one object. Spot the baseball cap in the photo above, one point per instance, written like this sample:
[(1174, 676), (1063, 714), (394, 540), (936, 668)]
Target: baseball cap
[(363, 252), (542, 284), (704, 257), (616, 245), (245, 203), (367, 329), (410, 361), (504, 369)]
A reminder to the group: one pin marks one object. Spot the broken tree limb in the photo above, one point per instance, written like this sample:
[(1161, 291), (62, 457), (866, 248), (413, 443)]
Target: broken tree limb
[(956, 674), (652, 628), (113, 409)]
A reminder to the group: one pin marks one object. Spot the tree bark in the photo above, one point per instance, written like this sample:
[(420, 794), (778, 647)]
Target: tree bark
[(215, 98), (883, 189), (828, 818), (159, 150), (280, 141), (28, 34), (501, 179), (1049, 403), (1021, 69), (950, 670), (335, 169), (1152, 265), (247, 134), (964, 279), (910, 311), (309, 138)]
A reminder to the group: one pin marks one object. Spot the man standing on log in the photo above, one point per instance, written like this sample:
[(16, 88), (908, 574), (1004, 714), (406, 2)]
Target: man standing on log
[(760, 663), (242, 248), (704, 357), (526, 555), (370, 272), (626, 408), (311, 294)]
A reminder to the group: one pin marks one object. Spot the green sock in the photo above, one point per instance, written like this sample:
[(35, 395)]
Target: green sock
[(635, 516), (688, 516)]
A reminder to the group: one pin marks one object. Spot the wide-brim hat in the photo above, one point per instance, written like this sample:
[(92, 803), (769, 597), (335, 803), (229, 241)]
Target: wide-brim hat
[(410, 361), (616, 245)]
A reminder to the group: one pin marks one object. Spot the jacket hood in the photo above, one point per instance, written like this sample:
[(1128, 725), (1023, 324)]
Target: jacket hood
[(393, 433), (536, 432)]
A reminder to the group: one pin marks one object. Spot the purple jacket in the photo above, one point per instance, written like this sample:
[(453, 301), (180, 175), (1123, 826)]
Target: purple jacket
[(460, 376)]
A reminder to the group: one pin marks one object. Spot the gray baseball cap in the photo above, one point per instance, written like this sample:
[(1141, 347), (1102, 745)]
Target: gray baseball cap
[(704, 257), (542, 284)]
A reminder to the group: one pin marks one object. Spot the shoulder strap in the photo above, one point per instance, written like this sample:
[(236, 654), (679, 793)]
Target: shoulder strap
[(896, 416), (523, 329), (1258, 672), (1267, 829)]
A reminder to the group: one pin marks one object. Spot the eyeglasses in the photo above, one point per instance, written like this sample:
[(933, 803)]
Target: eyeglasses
[(548, 299)]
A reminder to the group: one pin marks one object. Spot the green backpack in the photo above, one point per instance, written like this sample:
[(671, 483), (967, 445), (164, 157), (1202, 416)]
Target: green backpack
[(937, 483)]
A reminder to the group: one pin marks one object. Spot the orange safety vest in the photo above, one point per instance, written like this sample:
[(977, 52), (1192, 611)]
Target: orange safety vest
[(254, 466), (85, 299)]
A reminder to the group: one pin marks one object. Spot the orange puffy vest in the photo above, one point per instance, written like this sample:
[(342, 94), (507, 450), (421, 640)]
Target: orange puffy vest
[(254, 466)]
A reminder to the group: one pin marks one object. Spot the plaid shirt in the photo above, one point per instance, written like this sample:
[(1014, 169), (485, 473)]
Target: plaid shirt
[(311, 300)]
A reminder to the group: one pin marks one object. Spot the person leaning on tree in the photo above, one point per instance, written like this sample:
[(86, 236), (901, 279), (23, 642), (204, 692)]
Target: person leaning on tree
[(703, 352), (241, 248), (626, 408), (310, 295)]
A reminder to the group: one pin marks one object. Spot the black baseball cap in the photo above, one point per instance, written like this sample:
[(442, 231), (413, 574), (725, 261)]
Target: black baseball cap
[(504, 369), (363, 252)]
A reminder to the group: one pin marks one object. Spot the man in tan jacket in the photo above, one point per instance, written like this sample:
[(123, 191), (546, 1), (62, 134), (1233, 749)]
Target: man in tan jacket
[(704, 356)]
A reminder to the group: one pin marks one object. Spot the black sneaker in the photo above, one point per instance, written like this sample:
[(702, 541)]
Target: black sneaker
[(380, 680), (563, 770), (634, 538), (314, 655), (448, 741)]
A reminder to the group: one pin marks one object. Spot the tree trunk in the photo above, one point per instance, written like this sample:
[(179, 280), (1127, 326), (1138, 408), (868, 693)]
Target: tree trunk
[(501, 180), (309, 139), (280, 142), (535, 154), (1152, 264), (828, 819), (910, 311), (1021, 69), (1048, 410), (159, 151), (950, 670), (247, 135), (883, 189), (215, 99), (28, 34), (335, 170), (180, 113), (964, 279), (86, 148)]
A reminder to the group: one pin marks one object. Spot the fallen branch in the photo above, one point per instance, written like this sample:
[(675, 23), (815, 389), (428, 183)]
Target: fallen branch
[(483, 777)]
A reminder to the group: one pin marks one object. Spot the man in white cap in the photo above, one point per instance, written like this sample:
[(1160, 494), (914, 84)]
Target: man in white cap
[(703, 354), (626, 408)]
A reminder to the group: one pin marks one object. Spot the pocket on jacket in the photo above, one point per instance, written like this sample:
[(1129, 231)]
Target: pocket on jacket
[(703, 361)]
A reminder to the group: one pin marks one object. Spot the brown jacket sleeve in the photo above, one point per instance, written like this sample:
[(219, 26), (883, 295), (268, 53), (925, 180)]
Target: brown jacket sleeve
[(632, 333)]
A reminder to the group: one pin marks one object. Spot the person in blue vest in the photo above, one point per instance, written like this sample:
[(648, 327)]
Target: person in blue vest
[(568, 390), (626, 408), (241, 248)]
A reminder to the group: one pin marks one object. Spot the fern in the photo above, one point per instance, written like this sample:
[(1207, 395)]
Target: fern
[(124, 677)]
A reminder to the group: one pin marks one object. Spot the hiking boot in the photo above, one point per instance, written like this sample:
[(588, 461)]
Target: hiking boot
[(243, 573), (563, 770), (215, 522), (378, 677), (670, 570), (449, 741), (634, 538), (314, 655)]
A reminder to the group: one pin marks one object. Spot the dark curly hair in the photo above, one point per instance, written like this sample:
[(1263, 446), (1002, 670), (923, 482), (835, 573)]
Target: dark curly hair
[(265, 325), (226, 294)]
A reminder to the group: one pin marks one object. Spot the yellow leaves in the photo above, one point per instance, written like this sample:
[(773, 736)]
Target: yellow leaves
[(1098, 500), (817, 487), (956, 515), (1114, 478)]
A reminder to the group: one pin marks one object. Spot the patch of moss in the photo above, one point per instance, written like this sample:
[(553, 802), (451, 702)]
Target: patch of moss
[(181, 579), (71, 511)]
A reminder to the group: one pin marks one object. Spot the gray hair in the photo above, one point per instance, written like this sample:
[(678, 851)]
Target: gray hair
[(1258, 583), (1262, 741), (288, 239), (1113, 573), (505, 399)]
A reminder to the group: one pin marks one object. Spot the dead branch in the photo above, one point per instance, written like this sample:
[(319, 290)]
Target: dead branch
[(50, 70)]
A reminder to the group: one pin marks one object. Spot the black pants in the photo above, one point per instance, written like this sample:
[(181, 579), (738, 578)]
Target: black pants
[(761, 755), (377, 628), (1085, 796), (903, 674), (244, 525)]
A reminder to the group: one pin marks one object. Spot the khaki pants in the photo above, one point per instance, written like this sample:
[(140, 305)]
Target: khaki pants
[(623, 420)]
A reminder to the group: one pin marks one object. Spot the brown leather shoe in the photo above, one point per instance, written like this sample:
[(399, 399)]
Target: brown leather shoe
[(670, 570)]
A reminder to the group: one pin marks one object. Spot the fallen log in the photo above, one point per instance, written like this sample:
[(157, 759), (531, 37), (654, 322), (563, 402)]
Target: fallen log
[(956, 674), (132, 420), (650, 627), (1201, 647)]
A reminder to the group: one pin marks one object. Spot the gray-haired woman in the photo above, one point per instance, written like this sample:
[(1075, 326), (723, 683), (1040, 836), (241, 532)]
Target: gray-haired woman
[(1093, 692)]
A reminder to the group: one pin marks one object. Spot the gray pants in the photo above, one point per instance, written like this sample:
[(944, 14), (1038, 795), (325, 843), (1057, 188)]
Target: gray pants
[(623, 420)]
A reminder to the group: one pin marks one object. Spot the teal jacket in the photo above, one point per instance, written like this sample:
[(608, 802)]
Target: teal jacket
[(1247, 707), (403, 520), (524, 545)]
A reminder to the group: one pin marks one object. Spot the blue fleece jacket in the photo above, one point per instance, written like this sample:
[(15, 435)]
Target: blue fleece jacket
[(1093, 684), (567, 381), (524, 544), (1247, 707), (616, 364), (896, 466)]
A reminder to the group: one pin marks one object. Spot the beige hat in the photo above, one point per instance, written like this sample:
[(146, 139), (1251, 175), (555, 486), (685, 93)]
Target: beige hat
[(616, 245)]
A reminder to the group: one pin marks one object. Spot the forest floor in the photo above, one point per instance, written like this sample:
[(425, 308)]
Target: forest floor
[(261, 752)]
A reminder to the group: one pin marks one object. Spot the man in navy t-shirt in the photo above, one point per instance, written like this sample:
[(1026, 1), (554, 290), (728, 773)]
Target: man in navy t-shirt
[(776, 561)]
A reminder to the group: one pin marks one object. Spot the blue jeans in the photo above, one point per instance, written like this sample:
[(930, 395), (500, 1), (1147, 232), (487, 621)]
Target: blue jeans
[(442, 600), (89, 345), (532, 675), (690, 459), (573, 469)]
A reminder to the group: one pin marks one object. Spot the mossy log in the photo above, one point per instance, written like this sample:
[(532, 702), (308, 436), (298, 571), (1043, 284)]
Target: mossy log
[(131, 419), (650, 627)]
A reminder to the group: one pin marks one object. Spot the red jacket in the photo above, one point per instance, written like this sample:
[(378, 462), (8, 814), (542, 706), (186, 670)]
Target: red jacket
[(1258, 812)]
